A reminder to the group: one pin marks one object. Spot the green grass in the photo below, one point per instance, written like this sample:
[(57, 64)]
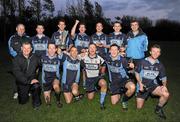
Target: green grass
[(89, 111)]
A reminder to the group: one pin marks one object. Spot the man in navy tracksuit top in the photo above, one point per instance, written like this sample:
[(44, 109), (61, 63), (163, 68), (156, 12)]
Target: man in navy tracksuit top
[(62, 38), (14, 45), (40, 41), (117, 37), (120, 84), (150, 73), (50, 74), (81, 40), (25, 66), (71, 75)]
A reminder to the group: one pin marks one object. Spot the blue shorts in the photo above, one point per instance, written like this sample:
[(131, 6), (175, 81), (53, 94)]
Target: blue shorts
[(118, 87), (150, 87)]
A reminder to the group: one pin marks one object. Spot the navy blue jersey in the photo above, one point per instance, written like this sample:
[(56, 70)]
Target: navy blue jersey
[(151, 72), (119, 39), (62, 39), (50, 68), (117, 68), (40, 45), (71, 69), (82, 42), (103, 39)]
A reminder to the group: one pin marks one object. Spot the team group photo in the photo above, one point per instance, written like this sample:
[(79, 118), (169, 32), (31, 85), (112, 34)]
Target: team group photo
[(88, 68)]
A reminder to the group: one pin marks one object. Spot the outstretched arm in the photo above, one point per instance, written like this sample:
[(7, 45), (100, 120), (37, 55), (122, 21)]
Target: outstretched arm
[(73, 30)]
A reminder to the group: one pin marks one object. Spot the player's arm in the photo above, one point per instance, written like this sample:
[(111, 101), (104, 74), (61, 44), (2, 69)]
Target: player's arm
[(12, 52), (162, 75), (73, 30), (138, 77), (20, 76)]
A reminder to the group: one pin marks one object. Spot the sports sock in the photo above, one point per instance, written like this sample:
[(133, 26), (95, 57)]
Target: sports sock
[(102, 97)]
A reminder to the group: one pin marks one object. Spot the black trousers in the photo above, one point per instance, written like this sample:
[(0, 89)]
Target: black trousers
[(23, 94)]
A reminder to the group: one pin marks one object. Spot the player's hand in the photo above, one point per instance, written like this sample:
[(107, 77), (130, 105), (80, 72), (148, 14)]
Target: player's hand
[(141, 87), (77, 21), (59, 51), (34, 81)]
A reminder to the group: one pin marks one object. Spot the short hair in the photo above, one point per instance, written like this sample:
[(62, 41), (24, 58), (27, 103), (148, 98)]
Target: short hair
[(92, 44), (82, 23), (40, 24), (114, 45), (155, 46), (134, 20), (26, 41), (72, 47), (118, 22), (99, 22), (51, 42), (62, 20), (19, 25)]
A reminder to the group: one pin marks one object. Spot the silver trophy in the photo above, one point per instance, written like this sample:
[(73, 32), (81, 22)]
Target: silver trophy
[(62, 40)]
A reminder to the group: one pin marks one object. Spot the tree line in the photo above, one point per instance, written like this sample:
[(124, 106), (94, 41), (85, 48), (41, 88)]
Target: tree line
[(31, 12)]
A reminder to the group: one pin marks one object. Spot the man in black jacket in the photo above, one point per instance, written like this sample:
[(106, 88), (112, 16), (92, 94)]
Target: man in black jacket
[(24, 68)]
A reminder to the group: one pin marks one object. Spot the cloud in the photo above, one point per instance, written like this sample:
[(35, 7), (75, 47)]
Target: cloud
[(114, 5)]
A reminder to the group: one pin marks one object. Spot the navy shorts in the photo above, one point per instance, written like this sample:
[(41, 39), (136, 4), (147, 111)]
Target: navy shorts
[(92, 83), (67, 86), (150, 87), (47, 86), (118, 87)]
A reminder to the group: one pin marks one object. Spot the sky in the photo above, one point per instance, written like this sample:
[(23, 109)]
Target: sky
[(153, 9)]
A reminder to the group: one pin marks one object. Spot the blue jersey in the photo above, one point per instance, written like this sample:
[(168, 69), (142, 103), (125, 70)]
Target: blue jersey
[(103, 39), (82, 42), (62, 39), (71, 69), (117, 69), (50, 68), (15, 43), (119, 39), (151, 72), (40, 45), (137, 45)]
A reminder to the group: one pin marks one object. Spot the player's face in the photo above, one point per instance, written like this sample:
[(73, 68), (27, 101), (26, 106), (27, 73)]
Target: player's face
[(134, 26), (61, 26), (52, 49), (114, 51), (40, 29), (26, 49), (92, 49), (155, 53), (74, 52), (99, 27), (117, 27), (20, 29), (82, 28)]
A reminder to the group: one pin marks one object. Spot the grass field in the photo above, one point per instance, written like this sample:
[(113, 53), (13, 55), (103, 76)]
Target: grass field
[(89, 111)]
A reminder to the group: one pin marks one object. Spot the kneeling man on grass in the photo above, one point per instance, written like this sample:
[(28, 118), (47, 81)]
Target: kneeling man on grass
[(120, 84), (25, 66), (148, 72)]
